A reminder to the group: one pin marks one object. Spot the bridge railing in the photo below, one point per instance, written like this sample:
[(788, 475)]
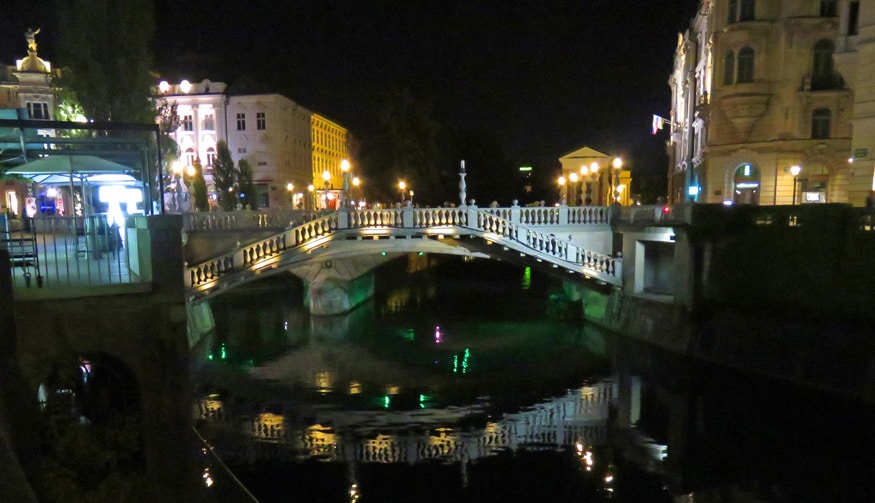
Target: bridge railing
[(246, 219), (514, 227)]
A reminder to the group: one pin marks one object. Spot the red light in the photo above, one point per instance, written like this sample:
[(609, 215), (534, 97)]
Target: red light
[(666, 209)]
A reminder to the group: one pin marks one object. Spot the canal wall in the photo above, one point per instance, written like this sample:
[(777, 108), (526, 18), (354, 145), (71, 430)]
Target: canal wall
[(138, 328), (785, 292)]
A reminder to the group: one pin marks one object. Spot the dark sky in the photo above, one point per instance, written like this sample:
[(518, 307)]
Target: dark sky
[(544, 77)]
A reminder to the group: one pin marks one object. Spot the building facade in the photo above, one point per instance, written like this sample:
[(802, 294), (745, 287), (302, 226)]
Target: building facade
[(288, 146), (761, 114), (26, 92), (590, 177)]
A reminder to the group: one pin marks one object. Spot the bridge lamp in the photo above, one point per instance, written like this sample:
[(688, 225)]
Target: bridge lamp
[(573, 179), (795, 170), (561, 182), (402, 186), (326, 177), (312, 197), (355, 183), (617, 164), (594, 171), (291, 187), (344, 169)]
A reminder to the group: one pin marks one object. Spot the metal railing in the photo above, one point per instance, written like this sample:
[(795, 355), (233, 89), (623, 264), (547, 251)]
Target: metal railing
[(68, 252)]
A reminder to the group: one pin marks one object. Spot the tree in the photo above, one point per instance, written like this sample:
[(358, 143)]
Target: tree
[(246, 185), (225, 176), (105, 47), (199, 187), (405, 146)]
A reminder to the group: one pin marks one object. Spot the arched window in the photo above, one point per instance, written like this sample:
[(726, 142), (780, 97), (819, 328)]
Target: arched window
[(745, 65), (822, 69), (189, 156), (729, 68), (747, 185), (211, 156), (820, 123)]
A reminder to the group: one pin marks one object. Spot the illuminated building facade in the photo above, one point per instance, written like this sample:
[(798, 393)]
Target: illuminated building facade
[(590, 178), (26, 92), (755, 92), (330, 148), (286, 144)]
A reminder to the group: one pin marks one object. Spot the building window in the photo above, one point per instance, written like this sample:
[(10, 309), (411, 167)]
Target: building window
[(732, 12), (828, 8), (853, 17), (241, 122), (211, 157), (745, 65), (38, 110), (822, 69), (208, 122), (241, 150), (729, 68), (747, 10), (820, 122), (260, 121), (187, 123), (189, 157)]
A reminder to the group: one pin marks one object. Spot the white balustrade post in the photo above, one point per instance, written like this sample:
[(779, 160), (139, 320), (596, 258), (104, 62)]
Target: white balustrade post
[(407, 216), (563, 214), (515, 213)]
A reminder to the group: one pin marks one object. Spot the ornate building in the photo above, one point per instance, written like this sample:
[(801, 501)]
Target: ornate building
[(288, 146), (27, 85), (760, 114)]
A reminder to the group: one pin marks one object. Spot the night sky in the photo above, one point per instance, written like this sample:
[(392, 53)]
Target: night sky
[(544, 78)]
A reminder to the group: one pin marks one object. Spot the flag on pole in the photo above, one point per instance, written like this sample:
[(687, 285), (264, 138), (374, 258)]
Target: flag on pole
[(658, 123)]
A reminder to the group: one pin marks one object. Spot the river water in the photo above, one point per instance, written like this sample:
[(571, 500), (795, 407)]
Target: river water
[(476, 381)]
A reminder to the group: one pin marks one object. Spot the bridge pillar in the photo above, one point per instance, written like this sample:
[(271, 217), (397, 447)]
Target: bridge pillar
[(332, 296)]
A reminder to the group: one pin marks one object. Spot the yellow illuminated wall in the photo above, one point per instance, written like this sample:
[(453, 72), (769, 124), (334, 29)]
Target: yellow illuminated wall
[(330, 143)]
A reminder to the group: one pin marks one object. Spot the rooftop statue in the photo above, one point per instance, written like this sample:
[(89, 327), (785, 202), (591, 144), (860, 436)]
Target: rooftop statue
[(30, 36)]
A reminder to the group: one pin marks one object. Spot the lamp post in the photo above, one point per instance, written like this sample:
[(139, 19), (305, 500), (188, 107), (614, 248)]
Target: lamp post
[(795, 170), (572, 184), (594, 172), (344, 168), (291, 187), (355, 183), (617, 164), (312, 197), (562, 199), (326, 177), (402, 186)]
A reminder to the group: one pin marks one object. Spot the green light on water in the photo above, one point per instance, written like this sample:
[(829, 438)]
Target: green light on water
[(465, 361), (422, 401), (387, 401), (223, 352), (455, 364), (210, 356), (409, 335), (527, 278)]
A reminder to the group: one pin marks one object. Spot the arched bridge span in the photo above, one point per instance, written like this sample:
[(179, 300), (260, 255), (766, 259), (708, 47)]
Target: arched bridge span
[(371, 236)]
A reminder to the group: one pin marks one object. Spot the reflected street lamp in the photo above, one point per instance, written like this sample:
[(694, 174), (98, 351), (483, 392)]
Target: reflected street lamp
[(795, 170)]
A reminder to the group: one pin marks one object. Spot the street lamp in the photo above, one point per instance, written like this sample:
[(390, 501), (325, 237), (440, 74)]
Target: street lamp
[(312, 197), (594, 171), (326, 177), (402, 185), (795, 170), (572, 184), (355, 183), (562, 198), (291, 187), (617, 164), (344, 168)]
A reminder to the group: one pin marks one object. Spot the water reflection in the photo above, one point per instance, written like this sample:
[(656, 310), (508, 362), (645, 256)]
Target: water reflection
[(416, 398)]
